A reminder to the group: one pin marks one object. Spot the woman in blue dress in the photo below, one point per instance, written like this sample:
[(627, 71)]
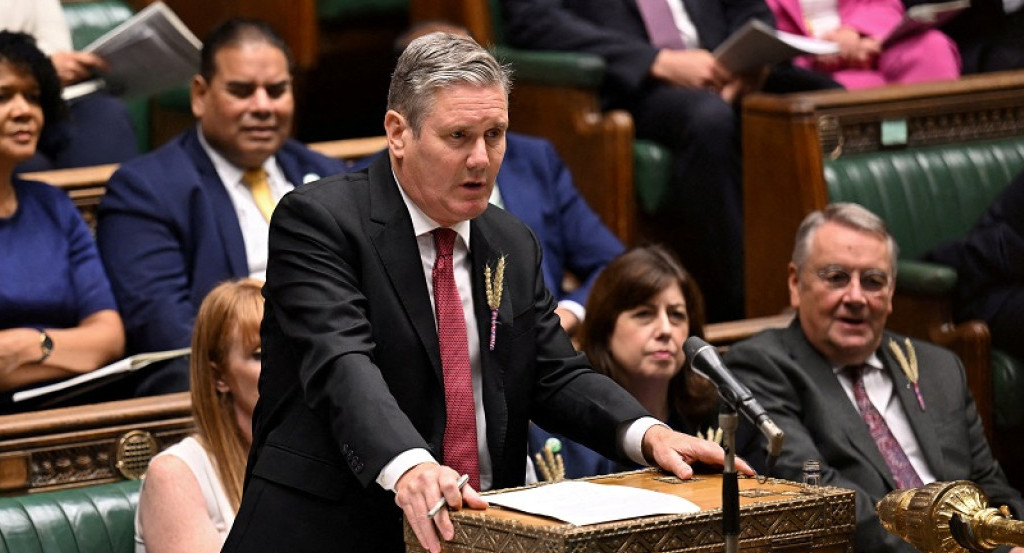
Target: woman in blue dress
[(57, 313), (640, 310)]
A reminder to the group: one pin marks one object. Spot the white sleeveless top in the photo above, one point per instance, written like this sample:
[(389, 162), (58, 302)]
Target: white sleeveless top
[(217, 505)]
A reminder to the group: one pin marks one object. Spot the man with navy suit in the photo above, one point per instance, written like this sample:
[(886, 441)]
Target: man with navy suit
[(387, 331), (681, 97), (834, 373), (177, 221)]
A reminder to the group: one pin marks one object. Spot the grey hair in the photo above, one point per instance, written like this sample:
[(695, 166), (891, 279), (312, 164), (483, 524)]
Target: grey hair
[(850, 215), (435, 61)]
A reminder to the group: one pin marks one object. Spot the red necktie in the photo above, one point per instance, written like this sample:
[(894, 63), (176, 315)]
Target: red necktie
[(459, 445), (661, 26), (902, 471)]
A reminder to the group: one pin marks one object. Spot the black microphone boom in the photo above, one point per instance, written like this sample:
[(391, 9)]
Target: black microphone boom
[(704, 359)]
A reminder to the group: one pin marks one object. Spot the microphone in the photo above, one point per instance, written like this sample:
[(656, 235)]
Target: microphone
[(705, 361)]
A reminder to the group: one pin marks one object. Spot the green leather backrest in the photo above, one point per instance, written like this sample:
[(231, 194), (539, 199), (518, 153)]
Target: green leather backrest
[(1008, 382), (88, 21), (93, 519), (927, 195)]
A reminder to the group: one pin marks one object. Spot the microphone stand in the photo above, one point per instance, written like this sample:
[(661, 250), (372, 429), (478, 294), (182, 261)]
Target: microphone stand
[(728, 421)]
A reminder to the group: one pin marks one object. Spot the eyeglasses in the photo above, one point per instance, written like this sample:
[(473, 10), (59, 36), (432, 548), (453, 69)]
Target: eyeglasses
[(872, 281)]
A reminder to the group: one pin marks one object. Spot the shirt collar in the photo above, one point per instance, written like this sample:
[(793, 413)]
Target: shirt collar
[(423, 224), (873, 361), (228, 172)]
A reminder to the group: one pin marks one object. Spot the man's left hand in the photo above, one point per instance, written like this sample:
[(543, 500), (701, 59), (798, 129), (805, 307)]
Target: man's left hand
[(675, 452)]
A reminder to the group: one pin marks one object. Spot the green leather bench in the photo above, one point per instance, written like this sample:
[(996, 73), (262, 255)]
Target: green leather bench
[(93, 519), (927, 196)]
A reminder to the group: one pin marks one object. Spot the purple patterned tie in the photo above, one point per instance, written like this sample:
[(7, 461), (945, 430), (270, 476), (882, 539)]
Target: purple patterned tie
[(661, 26), (902, 471), (459, 444)]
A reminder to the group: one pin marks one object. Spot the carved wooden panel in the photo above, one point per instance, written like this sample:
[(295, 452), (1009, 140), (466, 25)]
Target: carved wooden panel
[(774, 516)]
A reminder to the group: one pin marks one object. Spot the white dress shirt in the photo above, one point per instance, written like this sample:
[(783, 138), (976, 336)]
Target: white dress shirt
[(685, 25), (630, 438), (879, 387), (255, 228)]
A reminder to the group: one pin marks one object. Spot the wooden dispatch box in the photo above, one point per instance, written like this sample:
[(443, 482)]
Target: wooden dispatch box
[(775, 517)]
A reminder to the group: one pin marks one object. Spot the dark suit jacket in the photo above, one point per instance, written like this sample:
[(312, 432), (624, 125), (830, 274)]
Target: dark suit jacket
[(614, 30), (168, 234), (989, 263), (798, 389), (352, 371)]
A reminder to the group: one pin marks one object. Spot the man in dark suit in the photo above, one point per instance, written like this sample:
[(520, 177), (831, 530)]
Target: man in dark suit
[(535, 185), (679, 97), (177, 221), (390, 366), (835, 362), (989, 263)]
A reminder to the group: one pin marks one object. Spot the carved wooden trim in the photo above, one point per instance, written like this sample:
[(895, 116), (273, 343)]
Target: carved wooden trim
[(952, 125), (77, 446), (784, 519)]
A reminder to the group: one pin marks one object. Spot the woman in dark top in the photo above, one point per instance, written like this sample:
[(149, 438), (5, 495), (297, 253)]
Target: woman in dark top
[(640, 310), (57, 313)]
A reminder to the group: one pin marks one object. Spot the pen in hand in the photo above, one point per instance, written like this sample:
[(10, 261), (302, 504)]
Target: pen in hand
[(461, 483)]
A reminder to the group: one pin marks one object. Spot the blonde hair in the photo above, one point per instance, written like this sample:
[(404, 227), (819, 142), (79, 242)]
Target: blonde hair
[(231, 311)]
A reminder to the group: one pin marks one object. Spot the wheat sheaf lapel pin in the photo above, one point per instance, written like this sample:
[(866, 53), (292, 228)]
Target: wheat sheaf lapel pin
[(494, 284), (908, 362)]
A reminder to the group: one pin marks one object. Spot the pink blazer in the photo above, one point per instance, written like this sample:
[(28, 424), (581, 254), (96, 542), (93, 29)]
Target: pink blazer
[(874, 18)]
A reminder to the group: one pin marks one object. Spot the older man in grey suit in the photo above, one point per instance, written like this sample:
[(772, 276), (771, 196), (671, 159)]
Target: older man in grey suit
[(878, 410)]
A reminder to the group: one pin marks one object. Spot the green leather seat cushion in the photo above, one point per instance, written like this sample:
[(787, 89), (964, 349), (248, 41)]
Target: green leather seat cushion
[(93, 519)]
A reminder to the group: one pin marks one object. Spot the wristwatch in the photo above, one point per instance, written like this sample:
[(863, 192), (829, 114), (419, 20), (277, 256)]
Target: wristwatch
[(45, 346)]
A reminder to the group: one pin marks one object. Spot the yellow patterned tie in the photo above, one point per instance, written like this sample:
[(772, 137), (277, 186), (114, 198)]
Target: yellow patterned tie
[(259, 185)]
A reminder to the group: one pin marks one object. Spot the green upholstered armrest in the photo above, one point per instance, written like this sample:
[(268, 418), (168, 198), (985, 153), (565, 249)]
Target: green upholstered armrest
[(924, 279), (553, 68), (1008, 381), (652, 165), (97, 518)]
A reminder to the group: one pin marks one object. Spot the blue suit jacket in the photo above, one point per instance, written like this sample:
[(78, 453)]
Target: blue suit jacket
[(168, 233), (537, 188)]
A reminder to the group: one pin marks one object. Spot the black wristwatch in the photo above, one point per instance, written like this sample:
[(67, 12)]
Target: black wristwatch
[(45, 346)]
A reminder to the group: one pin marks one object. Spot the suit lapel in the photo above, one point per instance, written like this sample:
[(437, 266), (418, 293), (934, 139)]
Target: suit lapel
[(223, 210), (392, 236), (292, 167), (482, 254), (848, 418), (924, 430)]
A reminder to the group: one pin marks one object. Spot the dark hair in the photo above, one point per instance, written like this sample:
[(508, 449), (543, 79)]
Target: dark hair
[(234, 32), (628, 281), (21, 52)]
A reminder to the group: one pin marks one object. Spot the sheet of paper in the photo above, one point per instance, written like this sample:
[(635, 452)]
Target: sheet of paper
[(582, 503), (149, 53), (756, 44)]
